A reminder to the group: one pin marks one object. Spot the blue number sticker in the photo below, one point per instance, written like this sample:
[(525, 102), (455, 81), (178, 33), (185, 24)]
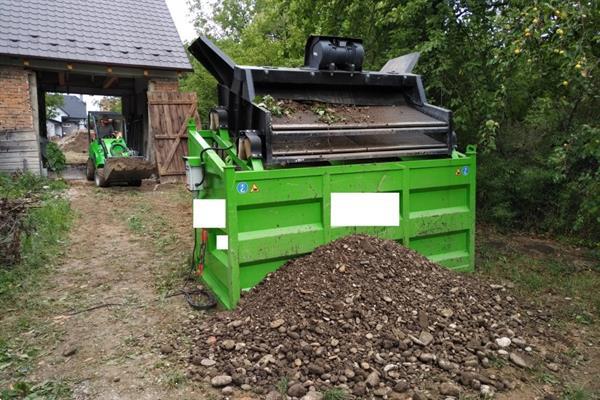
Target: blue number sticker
[(465, 171), (242, 188)]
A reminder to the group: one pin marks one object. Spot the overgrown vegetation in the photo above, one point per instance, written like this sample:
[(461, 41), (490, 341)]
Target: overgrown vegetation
[(55, 158), (520, 76), (53, 102), (46, 227)]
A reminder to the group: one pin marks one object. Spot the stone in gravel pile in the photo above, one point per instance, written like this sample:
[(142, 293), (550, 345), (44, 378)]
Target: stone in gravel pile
[(372, 318)]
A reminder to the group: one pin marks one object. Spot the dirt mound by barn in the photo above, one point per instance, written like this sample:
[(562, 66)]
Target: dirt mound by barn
[(373, 319), (75, 147), (77, 142)]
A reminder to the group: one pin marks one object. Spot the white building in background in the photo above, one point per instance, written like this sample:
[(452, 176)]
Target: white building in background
[(70, 117)]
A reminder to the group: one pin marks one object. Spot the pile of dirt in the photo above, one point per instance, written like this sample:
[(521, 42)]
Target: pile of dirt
[(374, 319), (326, 113), (75, 147), (77, 142)]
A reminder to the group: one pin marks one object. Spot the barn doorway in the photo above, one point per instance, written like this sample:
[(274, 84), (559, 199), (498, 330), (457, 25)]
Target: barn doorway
[(65, 119)]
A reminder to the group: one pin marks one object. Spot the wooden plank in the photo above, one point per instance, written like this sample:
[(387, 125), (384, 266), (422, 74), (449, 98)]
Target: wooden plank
[(12, 147), (18, 158), (16, 135), (109, 81), (191, 112), (165, 137), (18, 155), (169, 113), (30, 165), (170, 103), (26, 139)]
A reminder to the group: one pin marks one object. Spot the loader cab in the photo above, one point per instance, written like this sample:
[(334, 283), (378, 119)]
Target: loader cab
[(102, 124)]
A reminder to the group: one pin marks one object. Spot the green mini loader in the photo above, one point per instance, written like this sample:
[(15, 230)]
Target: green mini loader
[(110, 161)]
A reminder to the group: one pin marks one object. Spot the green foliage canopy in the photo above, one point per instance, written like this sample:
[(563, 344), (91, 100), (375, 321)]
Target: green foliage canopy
[(521, 78)]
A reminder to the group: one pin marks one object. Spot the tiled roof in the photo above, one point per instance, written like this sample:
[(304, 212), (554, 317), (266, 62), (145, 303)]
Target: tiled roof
[(74, 107), (116, 32)]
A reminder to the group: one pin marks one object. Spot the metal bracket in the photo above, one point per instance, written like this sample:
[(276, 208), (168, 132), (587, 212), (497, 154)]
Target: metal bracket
[(219, 119), (251, 144)]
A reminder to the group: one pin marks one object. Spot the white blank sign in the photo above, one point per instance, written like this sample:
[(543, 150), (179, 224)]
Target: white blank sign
[(365, 209), (222, 242), (209, 213)]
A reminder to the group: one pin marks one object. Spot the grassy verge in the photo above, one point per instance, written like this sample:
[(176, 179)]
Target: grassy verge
[(554, 276), (152, 221), (21, 309), (571, 279)]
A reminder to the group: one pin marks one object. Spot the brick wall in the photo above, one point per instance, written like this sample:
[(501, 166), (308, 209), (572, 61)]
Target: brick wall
[(163, 85), (15, 100)]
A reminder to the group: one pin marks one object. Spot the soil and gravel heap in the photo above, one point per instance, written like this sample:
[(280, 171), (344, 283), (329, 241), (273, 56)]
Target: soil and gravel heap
[(374, 319), (76, 142)]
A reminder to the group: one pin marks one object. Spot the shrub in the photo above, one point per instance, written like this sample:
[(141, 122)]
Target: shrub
[(56, 160)]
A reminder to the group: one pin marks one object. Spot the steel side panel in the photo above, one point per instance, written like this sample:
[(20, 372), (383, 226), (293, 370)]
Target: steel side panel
[(285, 213)]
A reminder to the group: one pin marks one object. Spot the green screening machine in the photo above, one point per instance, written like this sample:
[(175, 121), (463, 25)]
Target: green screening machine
[(297, 157)]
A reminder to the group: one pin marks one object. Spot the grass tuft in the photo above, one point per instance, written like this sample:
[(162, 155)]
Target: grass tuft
[(282, 385), (335, 394)]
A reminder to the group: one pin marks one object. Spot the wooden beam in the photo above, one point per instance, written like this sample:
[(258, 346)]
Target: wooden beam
[(87, 68), (85, 90), (109, 81), (61, 78)]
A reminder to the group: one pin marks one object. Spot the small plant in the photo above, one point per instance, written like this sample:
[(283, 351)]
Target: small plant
[(334, 394), (576, 393), (174, 379), (277, 108), (56, 160), (135, 223), (326, 114), (282, 385)]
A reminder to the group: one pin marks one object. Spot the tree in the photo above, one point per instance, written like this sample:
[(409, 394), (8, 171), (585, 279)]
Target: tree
[(53, 102), (521, 78), (110, 103)]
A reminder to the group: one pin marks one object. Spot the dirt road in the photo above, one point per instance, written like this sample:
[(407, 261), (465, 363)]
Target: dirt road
[(120, 255)]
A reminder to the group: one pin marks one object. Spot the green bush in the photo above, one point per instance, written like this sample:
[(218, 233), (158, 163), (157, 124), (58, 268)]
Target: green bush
[(56, 160)]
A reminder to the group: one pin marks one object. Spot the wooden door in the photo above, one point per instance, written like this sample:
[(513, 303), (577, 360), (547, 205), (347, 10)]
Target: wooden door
[(169, 113)]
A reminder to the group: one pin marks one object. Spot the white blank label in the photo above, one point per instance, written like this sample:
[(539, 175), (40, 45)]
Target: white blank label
[(365, 209), (222, 242), (209, 213)]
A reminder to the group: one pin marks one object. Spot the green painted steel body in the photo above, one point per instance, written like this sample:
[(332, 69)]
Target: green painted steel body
[(288, 212)]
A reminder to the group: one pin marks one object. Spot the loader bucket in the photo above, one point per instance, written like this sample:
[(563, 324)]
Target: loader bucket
[(127, 170)]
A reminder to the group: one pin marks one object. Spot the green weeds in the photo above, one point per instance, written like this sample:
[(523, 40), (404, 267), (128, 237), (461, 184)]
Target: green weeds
[(175, 379), (147, 221), (335, 394), (579, 393), (49, 390), (45, 235), (573, 285), (282, 385)]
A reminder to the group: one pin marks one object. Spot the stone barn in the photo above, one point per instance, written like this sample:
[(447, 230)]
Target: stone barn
[(124, 48)]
